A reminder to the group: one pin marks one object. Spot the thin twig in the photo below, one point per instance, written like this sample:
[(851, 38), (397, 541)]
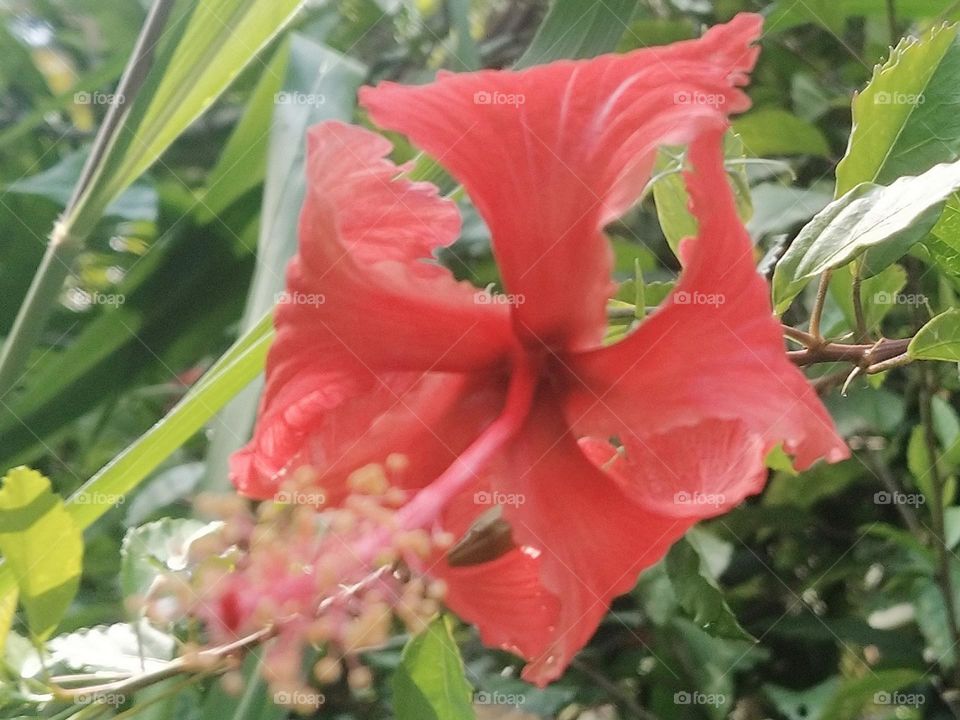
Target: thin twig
[(861, 329), (864, 355), (817, 312), (65, 244)]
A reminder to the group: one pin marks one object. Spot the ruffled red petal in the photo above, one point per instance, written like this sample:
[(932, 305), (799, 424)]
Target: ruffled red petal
[(593, 539), (713, 351), (551, 154), (364, 277), (373, 337)]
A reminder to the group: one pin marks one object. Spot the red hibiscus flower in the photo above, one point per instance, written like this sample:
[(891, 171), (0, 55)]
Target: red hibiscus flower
[(598, 458)]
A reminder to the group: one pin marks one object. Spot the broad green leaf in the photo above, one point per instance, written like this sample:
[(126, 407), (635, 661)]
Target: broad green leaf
[(138, 202), (841, 699), (157, 547), (464, 53), (778, 208), (908, 117), (939, 339), (647, 32), (785, 14), (42, 547), (243, 162), (168, 486), (232, 372), (878, 223), (577, 29), (931, 616), (8, 609), (336, 85), (672, 200), (218, 41), (698, 592), (772, 131), (874, 688), (804, 704), (430, 684), (104, 336), (943, 243)]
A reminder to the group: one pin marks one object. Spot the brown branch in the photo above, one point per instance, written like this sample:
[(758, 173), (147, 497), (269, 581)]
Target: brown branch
[(863, 355)]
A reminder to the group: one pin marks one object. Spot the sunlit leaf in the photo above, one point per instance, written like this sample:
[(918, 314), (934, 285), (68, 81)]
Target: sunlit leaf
[(42, 547)]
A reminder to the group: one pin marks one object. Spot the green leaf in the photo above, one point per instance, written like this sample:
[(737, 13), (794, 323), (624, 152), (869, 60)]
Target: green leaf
[(874, 688), (217, 42), (42, 547), (138, 202), (943, 243), (232, 372), (804, 704), (908, 117), (697, 589), (430, 684), (243, 162), (872, 221), (774, 131), (939, 339), (157, 547), (464, 54), (578, 29), (670, 191), (785, 14)]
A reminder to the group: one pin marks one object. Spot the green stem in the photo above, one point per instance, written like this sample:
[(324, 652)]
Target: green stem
[(66, 241), (41, 298), (818, 304), (861, 329)]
